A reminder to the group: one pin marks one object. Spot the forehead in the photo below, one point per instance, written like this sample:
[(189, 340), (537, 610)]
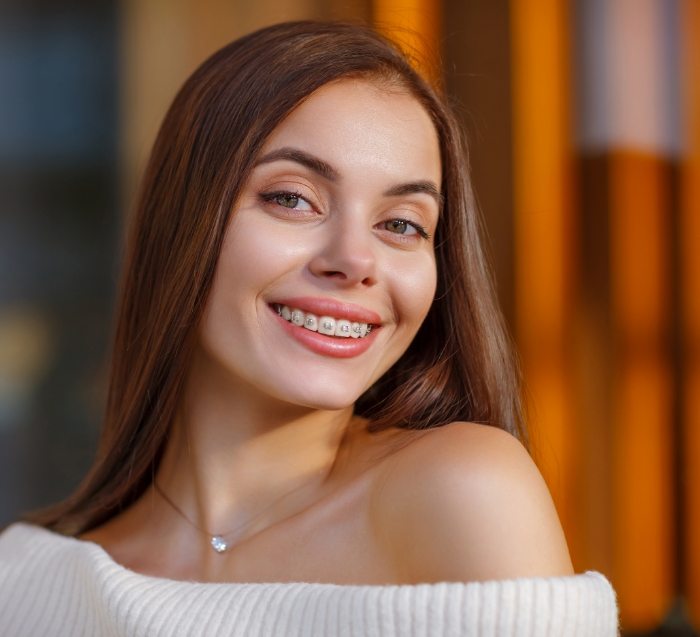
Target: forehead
[(357, 124)]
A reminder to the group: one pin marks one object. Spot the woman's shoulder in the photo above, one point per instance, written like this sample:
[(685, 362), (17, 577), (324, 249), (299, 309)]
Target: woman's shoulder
[(24, 545), (30, 555), (16, 536), (465, 502)]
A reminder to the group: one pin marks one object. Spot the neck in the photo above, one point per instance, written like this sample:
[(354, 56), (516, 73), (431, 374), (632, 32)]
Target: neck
[(236, 460)]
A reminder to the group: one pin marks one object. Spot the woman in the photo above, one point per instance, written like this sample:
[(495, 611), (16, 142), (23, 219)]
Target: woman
[(310, 382)]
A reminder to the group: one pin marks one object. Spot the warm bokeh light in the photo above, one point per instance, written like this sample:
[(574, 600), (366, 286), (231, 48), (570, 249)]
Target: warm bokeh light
[(544, 250), (415, 25), (690, 291), (642, 409)]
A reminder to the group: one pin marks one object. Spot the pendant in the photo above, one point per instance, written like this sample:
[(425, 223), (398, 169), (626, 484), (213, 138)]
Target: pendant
[(218, 543)]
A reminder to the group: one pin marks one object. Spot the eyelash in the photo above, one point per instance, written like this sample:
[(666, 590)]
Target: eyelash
[(416, 226), (270, 197)]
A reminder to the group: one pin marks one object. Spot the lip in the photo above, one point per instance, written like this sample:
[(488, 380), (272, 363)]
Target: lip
[(327, 345), (331, 307)]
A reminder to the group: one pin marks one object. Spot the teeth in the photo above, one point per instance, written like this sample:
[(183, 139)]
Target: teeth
[(298, 317), (342, 328), (328, 325), (311, 322)]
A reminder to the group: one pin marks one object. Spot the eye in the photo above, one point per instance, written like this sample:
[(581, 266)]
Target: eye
[(287, 199), (405, 228)]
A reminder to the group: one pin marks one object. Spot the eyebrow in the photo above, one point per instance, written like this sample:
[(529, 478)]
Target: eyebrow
[(325, 170), (318, 166), (425, 187)]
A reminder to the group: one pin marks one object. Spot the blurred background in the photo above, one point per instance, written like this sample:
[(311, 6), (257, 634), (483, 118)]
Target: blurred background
[(583, 118)]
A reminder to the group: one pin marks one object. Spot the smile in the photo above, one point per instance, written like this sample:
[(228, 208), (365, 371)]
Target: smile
[(327, 325)]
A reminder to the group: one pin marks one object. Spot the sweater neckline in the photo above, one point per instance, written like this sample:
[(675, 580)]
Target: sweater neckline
[(106, 562)]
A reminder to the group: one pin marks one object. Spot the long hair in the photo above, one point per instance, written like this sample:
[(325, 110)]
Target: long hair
[(459, 366)]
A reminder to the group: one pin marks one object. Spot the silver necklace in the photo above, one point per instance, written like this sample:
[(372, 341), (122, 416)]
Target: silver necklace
[(218, 541)]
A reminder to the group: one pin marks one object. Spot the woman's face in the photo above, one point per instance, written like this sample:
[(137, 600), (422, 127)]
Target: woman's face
[(331, 237)]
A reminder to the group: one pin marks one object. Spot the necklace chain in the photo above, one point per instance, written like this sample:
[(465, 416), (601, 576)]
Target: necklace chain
[(165, 497), (218, 540)]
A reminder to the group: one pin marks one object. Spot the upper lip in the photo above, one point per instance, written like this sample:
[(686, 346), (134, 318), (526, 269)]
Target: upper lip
[(332, 307)]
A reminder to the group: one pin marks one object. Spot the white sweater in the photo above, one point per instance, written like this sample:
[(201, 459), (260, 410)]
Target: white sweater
[(52, 585)]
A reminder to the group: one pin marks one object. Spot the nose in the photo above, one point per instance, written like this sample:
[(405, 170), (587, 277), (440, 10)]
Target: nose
[(347, 255)]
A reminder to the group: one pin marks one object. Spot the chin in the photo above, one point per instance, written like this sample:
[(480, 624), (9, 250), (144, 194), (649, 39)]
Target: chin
[(322, 396), (333, 401)]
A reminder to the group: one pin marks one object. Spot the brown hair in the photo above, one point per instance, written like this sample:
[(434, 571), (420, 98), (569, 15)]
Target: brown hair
[(459, 367)]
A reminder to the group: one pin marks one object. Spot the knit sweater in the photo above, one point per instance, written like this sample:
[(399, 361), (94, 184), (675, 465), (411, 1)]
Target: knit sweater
[(52, 585)]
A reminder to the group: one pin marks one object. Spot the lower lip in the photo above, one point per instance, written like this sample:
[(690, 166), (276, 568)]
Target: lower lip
[(337, 347)]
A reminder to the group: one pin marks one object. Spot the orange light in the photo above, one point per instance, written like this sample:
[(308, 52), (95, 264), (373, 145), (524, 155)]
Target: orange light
[(690, 294), (544, 250), (642, 407), (415, 26)]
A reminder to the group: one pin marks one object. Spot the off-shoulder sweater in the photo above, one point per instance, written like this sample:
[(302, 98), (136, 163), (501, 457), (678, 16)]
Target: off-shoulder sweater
[(52, 585)]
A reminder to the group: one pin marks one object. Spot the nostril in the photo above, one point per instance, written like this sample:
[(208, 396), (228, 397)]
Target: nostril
[(344, 264)]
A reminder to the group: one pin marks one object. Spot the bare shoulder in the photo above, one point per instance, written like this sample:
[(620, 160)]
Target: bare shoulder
[(465, 502)]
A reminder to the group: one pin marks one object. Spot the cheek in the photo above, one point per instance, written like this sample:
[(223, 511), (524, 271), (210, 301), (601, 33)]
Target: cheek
[(252, 257), (245, 252), (257, 244), (415, 287)]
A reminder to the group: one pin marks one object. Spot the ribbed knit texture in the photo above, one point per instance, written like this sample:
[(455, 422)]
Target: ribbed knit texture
[(51, 585)]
